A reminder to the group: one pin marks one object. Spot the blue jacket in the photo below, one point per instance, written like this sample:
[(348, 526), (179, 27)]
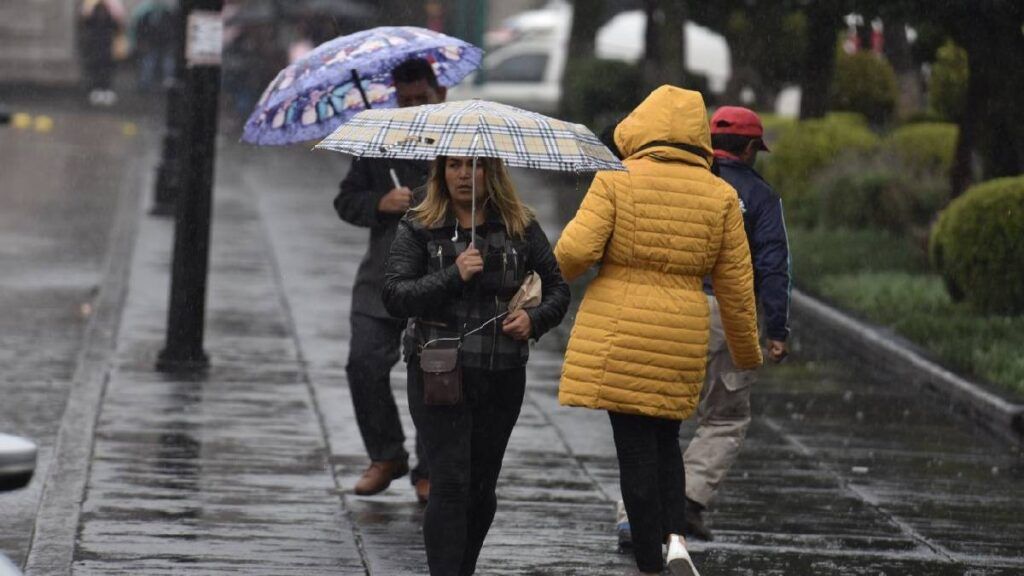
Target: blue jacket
[(769, 246)]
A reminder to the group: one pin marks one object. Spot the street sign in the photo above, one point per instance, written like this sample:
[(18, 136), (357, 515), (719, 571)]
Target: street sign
[(204, 38)]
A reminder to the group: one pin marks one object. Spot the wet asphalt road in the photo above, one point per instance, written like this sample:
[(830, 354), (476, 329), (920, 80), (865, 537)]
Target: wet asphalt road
[(249, 469), (59, 189)]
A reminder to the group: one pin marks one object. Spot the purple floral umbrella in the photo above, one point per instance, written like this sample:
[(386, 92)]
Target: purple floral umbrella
[(341, 77)]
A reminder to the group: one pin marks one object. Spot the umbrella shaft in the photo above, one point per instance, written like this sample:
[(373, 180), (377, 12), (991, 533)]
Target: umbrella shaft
[(359, 86)]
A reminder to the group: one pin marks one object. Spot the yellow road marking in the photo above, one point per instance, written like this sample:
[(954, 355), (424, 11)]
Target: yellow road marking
[(43, 124), (21, 121)]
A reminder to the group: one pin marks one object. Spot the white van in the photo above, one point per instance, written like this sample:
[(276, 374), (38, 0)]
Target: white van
[(526, 71)]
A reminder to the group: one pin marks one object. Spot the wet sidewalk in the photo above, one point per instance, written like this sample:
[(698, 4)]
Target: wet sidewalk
[(248, 470)]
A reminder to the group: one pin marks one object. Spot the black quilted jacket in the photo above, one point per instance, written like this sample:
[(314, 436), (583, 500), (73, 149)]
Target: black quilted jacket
[(422, 282)]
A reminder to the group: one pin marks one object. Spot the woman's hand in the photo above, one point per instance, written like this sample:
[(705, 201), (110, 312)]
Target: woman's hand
[(470, 263), (517, 325)]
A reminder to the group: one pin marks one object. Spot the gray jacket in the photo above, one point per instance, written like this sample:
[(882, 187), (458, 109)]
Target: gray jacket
[(365, 184)]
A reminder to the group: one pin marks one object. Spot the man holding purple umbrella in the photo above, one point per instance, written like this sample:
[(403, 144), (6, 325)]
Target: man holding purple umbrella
[(375, 194)]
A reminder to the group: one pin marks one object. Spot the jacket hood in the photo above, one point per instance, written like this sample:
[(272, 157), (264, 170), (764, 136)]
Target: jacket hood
[(671, 123)]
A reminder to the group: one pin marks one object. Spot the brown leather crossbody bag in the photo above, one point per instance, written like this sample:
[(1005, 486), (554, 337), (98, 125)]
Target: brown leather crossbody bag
[(441, 371)]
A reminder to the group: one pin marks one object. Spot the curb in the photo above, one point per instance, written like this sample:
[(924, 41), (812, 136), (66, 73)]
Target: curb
[(886, 356), (54, 537)]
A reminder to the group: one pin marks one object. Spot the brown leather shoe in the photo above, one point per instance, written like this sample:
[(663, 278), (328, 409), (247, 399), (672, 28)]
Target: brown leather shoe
[(422, 487), (379, 475)]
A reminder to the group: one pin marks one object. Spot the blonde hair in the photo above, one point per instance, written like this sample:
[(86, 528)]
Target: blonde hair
[(501, 194)]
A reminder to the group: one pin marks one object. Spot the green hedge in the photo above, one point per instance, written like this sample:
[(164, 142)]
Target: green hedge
[(864, 83), (804, 148), (860, 195), (926, 147), (978, 246), (947, 86)]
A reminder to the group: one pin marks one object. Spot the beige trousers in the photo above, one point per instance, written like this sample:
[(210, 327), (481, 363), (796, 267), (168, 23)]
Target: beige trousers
[(723, 417)]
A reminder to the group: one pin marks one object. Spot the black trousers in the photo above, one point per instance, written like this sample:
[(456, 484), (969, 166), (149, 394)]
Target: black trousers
[(374, 350), (652, 481), (465, 445)]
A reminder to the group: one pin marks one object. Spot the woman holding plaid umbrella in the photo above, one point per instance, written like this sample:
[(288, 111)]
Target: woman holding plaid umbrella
[(457, 293)]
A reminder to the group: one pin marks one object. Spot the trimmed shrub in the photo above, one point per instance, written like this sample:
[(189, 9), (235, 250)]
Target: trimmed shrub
[(924, 153), (877, 192), (864, 83), (947, 87), (978, 246), (804, 148), (924, 148), (600, 90)]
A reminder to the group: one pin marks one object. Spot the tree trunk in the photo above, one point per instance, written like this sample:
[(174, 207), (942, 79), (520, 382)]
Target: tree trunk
[(1003, 145), (993, 120), (672, 44), (587, 17), (823, 21), (897, 50), (400, 13), (651, 63)]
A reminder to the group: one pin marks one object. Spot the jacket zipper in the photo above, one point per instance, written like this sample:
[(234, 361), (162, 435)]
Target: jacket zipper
[(494, 339), (440, 257)]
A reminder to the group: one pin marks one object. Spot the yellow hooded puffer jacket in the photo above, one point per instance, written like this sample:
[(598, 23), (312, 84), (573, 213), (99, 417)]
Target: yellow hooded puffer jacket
[(639, 343)]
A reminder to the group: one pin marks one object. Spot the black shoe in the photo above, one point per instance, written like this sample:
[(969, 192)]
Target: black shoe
[(695, 522)]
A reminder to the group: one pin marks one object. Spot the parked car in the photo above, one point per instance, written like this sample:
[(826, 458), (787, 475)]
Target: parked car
[(525, 68), (17, 465)]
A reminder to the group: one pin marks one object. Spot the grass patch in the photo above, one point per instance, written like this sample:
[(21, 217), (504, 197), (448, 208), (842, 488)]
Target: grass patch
[(885, 279), (818, 254)]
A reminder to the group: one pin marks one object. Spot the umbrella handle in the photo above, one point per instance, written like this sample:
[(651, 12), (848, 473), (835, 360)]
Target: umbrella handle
[(359, 86), (472, 230)]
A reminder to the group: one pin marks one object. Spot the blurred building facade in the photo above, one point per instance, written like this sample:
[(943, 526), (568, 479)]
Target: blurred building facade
[(37, 41)]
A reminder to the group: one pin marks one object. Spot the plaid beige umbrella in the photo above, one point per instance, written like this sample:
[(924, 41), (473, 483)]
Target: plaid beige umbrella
[(473, 128)]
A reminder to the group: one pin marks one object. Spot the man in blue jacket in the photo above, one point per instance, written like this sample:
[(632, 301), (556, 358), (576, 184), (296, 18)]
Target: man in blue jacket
[(723, 414)]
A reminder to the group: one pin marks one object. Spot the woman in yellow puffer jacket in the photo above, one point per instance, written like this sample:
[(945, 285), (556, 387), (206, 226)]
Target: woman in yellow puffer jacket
[(639, 343)]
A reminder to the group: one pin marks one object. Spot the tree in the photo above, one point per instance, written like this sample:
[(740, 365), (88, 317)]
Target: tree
[(400, 13), (766, 43), (992, 122), (824, 19), (908, 73), (587, 18), (664, 44)]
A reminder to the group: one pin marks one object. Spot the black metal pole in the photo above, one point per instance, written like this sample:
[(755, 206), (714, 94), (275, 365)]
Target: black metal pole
[(169, 172), (187, 311)]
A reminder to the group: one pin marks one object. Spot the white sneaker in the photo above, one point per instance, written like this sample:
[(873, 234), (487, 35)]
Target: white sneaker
[(678, 559), (623, 533)]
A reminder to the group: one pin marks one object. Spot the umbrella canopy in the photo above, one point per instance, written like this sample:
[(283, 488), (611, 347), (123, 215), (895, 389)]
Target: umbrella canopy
[(313, 96), (473, 128)]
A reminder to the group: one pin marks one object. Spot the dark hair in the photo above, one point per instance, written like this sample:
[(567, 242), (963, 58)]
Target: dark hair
[(414, 70), (731, 143), (607, 137)]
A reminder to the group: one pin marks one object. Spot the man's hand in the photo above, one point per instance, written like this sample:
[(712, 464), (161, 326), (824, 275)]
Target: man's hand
[(517, 325), (470, 263), (396, 202), (777, 350)]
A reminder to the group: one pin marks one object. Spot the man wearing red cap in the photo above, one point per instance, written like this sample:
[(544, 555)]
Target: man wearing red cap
[(723, 414)]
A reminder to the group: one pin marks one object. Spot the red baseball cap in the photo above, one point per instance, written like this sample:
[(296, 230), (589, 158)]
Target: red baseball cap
[(738, 120)]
